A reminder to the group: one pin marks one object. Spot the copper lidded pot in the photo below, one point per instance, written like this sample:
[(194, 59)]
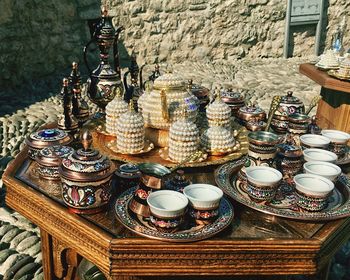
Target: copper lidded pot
[(252, 117), (233, 99), (46, 138), (289, 105), (50, 158), (86, 179)]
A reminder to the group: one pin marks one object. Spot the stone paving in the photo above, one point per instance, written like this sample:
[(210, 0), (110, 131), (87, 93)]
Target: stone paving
[(259, 80)]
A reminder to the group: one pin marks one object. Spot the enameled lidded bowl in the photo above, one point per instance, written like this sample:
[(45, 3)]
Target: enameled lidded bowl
[(50, 158), (249, 112), (45, 138), (86, 179), (289, 105), (234, 99)]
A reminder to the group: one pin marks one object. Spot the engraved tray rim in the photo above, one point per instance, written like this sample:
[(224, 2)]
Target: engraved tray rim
[(121, 208), (224, 178)]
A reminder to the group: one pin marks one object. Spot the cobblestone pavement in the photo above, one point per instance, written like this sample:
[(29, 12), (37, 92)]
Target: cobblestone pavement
[(259, 80)]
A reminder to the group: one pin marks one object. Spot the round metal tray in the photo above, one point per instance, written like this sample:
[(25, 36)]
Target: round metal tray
[(284, 203), (190, 233)]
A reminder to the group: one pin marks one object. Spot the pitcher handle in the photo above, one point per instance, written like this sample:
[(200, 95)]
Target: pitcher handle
[(85, 56), (142, 86)]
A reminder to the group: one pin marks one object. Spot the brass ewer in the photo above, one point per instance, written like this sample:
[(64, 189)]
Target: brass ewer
[(104, 79)]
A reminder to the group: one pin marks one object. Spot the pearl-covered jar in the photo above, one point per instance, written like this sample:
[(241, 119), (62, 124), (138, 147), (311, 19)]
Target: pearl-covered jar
[(168, 98), (219, 113), (217, 140), (130, 132), (114, 110), (183, 139)]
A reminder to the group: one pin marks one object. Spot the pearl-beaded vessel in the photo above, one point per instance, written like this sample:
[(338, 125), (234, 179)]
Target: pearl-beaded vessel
[(161, 111), (130, 132), (183, 139), (217, 140), (219, 113), (114, 110)]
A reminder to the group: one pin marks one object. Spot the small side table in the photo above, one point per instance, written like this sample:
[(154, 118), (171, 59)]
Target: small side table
[(333, 109)]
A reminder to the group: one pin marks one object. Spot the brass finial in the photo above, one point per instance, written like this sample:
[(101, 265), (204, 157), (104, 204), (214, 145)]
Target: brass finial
[(118, 92), (86, 140), (131, 106), (190, 84), (148, 87), (65, 82), (74, 65), (104, 11)]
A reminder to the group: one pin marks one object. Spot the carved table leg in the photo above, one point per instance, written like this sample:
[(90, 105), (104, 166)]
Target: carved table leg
[(59, 262)]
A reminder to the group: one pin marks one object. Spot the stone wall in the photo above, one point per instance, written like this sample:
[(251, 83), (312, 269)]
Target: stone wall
[(39, 40), (176, 30)]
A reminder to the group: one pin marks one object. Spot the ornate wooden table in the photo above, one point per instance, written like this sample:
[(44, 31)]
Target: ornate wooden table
[(254, 244), (333, 110)]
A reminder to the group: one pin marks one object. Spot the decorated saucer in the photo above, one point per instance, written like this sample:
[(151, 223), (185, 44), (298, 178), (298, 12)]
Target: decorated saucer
[(146, 148), (284, 202), (188, 233), (326, 67)]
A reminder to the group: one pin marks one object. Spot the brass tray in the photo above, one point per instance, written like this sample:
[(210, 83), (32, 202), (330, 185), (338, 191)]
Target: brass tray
[(100, 142), (334, 73), (284, 203), (140, 225)]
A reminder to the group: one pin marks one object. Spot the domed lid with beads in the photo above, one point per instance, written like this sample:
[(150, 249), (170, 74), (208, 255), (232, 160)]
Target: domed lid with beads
[(165, 102), (86, 164), (184, 130), (218, 110), (53, 155), (131, 121), (117, 106), (48, 137), (169, 81)]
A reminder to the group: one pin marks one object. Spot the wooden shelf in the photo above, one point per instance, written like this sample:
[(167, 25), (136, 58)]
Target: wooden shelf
[(323, 79)]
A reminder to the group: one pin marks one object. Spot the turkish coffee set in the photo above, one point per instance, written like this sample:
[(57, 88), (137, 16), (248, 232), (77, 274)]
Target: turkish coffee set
[(165, 123)]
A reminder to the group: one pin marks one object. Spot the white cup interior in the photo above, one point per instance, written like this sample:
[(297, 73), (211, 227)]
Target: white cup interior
[(336, 135), (167, 200), (263, 175), (322, 168), (313, 184), (314, 140), (203, 192), (319, 155)]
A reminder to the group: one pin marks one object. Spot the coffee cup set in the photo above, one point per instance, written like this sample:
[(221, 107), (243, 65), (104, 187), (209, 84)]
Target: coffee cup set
[(271, 164), (171, 203), (169, 209)]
